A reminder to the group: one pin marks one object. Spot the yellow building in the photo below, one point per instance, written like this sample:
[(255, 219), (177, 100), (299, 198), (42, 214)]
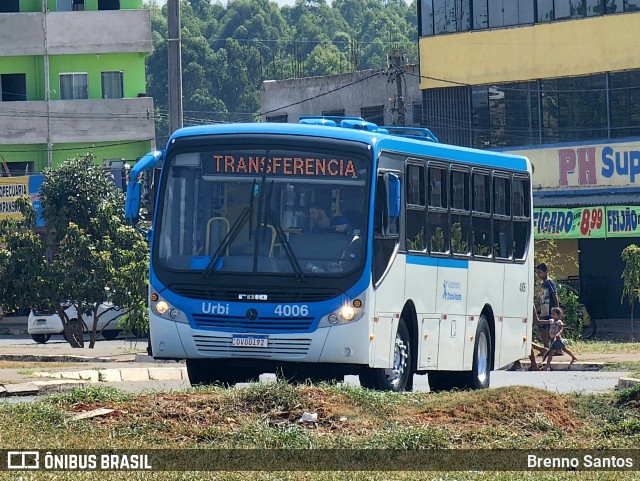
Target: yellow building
[(558, 81)]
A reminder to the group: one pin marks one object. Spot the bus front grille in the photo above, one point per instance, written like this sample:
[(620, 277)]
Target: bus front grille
[(261, 324), (281, 347), (272, 294)]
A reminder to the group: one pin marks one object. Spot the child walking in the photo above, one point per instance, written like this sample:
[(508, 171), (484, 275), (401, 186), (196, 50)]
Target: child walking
[(556, 327)]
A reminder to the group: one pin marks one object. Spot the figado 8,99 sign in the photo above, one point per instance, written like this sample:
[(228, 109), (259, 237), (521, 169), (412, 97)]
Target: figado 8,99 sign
[(574, 223)]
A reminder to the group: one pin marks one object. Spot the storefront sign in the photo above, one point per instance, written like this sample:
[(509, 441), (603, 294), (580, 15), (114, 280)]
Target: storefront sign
[(575, 223), (587, 222), (611, 164), (13, 187), (622, 221)]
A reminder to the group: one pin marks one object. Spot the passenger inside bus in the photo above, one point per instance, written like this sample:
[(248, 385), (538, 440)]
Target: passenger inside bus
[(321, 220)]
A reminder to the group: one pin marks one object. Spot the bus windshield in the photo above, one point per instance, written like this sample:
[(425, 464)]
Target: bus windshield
[(252, 210)]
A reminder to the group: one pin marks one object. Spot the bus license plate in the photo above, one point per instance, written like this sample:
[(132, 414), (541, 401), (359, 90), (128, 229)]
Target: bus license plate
[(250, 341)]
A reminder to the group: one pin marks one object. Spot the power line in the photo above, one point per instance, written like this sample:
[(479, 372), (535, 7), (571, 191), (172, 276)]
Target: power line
[(66, 149)]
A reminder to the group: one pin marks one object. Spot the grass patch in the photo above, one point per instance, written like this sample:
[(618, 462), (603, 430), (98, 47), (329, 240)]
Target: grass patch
[(604, 347), (631, 366), (268, 416)]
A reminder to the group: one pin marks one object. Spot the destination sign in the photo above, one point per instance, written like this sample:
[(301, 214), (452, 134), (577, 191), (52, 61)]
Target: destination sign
[(281, 165)]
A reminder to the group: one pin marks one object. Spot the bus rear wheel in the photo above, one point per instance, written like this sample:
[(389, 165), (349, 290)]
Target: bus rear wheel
[(207, 371), (399, 377), (480, 374)]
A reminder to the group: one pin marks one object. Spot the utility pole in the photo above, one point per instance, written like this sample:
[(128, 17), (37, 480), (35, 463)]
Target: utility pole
[(395, 61), (175, 66)]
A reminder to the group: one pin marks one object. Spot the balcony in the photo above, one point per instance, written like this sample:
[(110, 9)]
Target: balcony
[(83, 121), (113, 31)]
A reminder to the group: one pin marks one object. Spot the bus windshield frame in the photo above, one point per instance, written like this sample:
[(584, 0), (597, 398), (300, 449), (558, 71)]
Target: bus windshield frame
[(278, 198)]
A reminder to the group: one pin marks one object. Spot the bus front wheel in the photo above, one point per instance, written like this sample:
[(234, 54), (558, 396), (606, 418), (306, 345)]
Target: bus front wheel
[(398, 378)]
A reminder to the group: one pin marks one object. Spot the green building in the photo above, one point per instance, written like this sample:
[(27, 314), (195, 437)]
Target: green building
[(72, 79)]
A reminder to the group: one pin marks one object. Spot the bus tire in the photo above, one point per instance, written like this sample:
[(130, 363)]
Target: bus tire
[(207, 371), (480, 374), (400, 377)]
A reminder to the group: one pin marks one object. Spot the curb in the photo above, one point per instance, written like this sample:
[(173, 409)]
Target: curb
[(626, 383), (135, 374), (36, 388), (63, 358), (565, 366)]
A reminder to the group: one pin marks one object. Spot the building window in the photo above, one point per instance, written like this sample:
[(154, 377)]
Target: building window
[(108, 4), (9, 6), (446, 112), (373, 114), (333, 113), (614, 6), (78, 5), (416, 190), (73, 86), (545, 11), (418, 115), (13, 87), (503, 13), (624, 103), (426, 17), (112, 85), (283, 119), (631, 5)]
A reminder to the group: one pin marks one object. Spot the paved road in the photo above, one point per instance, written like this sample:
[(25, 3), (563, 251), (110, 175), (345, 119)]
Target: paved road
[(560, 381)]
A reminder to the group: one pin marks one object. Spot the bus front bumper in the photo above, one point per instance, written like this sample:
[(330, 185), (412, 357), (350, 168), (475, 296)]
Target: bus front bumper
[(341, 344)]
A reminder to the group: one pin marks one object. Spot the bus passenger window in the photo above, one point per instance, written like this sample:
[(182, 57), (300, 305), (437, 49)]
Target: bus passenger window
[(437, 233), (502, 234), (460, 212), (416, 215), (481, 219), (521, 217)]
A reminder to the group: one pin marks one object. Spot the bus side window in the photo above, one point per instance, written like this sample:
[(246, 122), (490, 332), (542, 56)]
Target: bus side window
[(460, 219), (383, 247), (502, 232), (415, 226), (438, 217), (481, 219), (521, 216)]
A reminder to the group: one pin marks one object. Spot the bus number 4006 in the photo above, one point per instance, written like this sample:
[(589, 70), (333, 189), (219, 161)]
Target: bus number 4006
[(289, 310)]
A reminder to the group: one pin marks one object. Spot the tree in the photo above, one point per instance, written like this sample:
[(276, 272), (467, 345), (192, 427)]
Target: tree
[(631, 280), (86, 255)]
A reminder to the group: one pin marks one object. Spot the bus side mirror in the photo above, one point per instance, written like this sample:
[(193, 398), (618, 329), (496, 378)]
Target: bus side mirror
[(132, 204), (392, 184)]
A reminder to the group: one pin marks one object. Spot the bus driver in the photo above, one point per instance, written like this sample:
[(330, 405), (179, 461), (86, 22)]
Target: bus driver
[(321, 222)]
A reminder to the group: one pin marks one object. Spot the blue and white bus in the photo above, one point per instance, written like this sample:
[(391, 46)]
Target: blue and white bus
[(336, 247)]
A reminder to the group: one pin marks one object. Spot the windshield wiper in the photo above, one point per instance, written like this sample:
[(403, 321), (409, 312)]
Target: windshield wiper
[(291, 255), (234, 231)]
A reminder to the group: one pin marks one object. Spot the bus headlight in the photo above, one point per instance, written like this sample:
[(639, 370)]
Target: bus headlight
[(349, 312), (163, 309)]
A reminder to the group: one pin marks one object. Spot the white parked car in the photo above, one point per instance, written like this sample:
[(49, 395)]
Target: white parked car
[(43, 324)]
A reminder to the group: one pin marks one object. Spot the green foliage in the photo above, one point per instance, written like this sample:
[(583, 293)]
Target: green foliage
[(86, 254), (417, 243), (228, 50), (458, 244), (630, 396), (437, 243), (571, 307), (546, 251), (631, 279)]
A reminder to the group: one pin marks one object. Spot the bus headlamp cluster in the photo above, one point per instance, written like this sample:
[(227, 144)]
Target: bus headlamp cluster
[(163, 309), (349, 312)]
